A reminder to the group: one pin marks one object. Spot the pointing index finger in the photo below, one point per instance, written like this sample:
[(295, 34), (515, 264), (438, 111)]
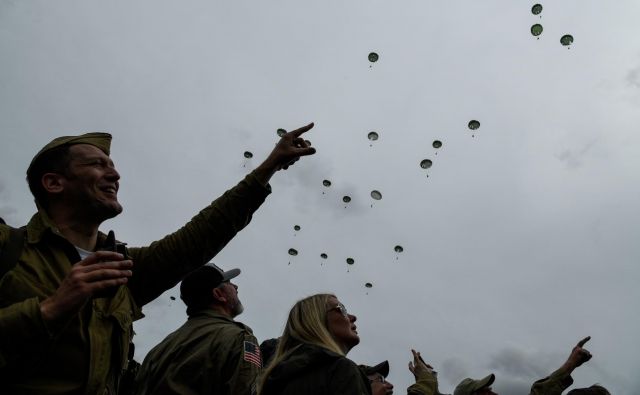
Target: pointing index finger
[(299, 131), (583, 341)]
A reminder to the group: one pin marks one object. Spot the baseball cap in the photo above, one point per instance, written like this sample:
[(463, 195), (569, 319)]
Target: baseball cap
[(195, 289), (382, 368), (468, 385)]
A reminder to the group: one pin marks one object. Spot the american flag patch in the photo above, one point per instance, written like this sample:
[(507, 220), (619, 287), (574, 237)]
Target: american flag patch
[(252, 354)]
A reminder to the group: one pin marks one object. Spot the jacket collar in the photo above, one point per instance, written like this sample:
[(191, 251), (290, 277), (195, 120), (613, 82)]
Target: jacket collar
[(208, 313), (41, 224)]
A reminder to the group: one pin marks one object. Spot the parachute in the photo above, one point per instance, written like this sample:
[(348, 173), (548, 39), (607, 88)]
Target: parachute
[(566, 40), (281, 132), (324, 256), (376, 195), (326, 183), (346, 198), (536, 9), (293, 252), (373, 136), (437, 144), (350, 261), (536, 29), (296, 227), (248, 155), (398, 249), (373, 57), (368, 285), (426, 163)]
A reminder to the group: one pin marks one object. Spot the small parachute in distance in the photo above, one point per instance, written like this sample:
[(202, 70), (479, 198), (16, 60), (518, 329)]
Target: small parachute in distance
[(398, 249), (373, 57), (536, 30), (308, 142), (281, 132), (426, 163), (474, 125), (172, 297), (326, 183), (376, 195), (436, 144), (248, 155), (296, 227), (346, 198), (373, 136), (566, 40), (536, 9), (293, 252), (324, 256), (350, 261), (368, 285)]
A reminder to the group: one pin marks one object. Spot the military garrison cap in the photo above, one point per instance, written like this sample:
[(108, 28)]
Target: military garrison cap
[(97, 139), (469, 386)]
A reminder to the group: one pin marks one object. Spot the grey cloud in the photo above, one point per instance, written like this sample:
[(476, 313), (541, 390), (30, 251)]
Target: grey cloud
[(574, 159), (633, 77), (516, 363), (454, 370), (511, 386)]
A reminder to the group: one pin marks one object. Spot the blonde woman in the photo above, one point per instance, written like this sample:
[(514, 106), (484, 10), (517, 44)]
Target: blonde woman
[(311, 354)]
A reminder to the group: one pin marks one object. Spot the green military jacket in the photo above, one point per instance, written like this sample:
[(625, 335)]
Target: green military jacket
[(426, 384), (557, 382), (209, 354), (87, 354), (313, 370)]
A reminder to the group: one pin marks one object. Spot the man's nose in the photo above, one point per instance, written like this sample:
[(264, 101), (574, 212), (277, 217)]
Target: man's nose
[(352, 318), (113, 173)]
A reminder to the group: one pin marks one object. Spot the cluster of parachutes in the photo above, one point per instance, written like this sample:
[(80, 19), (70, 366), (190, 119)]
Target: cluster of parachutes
[(473, 125), (536, 29)]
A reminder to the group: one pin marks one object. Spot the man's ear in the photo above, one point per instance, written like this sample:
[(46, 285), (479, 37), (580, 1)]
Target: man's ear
[(52, 182), (219, 295)]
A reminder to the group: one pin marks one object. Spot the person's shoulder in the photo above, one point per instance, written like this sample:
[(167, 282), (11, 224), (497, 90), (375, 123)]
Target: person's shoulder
[(345, 364), (225, 330), (347, 377), (4, 233)]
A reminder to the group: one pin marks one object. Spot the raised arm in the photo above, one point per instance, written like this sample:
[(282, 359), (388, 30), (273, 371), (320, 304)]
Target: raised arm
[(426, 378), (561, 379)]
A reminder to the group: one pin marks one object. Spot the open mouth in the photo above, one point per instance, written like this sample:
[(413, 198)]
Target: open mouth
[(111, 190)]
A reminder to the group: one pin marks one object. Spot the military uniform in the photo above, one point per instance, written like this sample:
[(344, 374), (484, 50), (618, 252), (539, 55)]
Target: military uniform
[(557, 382), (313, 370), (87, 354), (426, 384), (209, 354)]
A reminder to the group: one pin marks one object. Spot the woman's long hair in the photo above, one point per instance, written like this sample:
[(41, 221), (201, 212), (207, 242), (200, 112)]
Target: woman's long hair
[(307, 324)]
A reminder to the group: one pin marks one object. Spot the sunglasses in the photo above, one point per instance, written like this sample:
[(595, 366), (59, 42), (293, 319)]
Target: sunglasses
[(379, 378), (340, 307)]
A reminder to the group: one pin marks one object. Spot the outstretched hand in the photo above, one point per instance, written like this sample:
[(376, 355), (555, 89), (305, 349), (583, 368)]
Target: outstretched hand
[(287, 151), (98, 272), (419, 367), (579, 355)]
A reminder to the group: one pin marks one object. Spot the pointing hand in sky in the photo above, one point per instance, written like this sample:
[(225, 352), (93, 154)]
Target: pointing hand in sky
[(286, 152)]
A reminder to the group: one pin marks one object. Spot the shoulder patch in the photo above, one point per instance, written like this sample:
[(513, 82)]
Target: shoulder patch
[(251, 354)]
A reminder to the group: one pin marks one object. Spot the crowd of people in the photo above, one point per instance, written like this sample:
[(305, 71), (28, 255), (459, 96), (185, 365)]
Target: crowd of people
[(70, 293)]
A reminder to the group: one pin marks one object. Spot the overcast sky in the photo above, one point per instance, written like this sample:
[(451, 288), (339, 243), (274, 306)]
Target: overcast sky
[(521, 240)]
